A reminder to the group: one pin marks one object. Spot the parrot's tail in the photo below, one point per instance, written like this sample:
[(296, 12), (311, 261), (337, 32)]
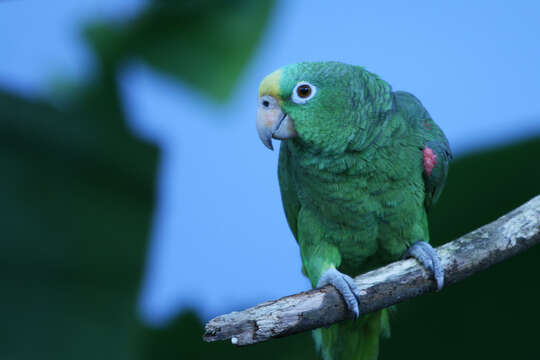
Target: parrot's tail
[(353, 339)]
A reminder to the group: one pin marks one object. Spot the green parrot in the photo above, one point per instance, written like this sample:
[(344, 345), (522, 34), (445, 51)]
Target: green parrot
[(359, 167)]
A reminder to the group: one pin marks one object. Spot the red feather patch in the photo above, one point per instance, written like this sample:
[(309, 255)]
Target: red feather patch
[(430, 160)]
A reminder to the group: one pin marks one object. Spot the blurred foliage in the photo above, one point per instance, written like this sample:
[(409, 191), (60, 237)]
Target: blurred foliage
[(204, 43), (78, 187), (491, 315), (76, 205)]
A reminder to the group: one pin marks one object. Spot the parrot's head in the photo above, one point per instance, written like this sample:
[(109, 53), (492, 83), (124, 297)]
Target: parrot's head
[(326, 106)]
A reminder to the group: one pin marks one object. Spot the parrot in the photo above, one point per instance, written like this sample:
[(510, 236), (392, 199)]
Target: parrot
[(360, 166)]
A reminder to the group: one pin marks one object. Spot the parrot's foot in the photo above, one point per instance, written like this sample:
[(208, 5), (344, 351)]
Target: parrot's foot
[(345, 285), (427, 256)]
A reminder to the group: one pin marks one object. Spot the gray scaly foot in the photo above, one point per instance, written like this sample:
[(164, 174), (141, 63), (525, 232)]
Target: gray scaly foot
[(345, 285), (427, 256)]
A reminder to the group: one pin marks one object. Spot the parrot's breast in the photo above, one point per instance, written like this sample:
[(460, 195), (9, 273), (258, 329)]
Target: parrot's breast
[(364, 203)]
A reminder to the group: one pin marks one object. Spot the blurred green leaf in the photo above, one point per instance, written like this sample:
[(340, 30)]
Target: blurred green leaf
[(77, 198), (203, 43)]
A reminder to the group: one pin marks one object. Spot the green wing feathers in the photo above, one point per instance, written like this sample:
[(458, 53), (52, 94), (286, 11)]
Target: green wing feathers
[(433, 144)]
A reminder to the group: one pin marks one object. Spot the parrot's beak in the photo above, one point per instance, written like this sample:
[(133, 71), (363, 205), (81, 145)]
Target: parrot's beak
[(272, 122)]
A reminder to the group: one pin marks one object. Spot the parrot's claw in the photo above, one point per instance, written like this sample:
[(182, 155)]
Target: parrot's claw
[(427, 256), (345, 285)]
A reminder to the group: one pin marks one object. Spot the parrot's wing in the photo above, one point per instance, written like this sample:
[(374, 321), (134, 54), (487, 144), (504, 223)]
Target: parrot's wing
[(288, 191), (432, 143)]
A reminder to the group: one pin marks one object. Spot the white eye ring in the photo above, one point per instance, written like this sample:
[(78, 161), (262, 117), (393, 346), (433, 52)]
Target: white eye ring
[(299, 100)]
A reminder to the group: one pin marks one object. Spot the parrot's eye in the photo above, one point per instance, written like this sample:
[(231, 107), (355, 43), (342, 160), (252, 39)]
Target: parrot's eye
[(302, 92)]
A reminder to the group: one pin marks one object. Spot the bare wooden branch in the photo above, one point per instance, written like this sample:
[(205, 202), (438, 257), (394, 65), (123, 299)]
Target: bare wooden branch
[(509, 235)]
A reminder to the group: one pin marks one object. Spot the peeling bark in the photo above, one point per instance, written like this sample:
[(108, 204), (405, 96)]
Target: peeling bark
[(509, 235)]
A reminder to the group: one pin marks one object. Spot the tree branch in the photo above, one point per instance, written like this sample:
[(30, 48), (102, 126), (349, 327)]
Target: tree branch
[(509, 235)]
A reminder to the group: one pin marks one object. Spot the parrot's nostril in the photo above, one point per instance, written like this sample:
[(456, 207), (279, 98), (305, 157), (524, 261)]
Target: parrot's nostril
[(266, 103)]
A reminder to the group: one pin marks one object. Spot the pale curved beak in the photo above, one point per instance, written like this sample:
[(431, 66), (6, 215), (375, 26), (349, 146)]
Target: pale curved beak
[(272, 122)]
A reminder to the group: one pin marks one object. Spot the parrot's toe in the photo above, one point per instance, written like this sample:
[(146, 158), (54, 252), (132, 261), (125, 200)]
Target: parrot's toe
[(427, 256), (345, 285)]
